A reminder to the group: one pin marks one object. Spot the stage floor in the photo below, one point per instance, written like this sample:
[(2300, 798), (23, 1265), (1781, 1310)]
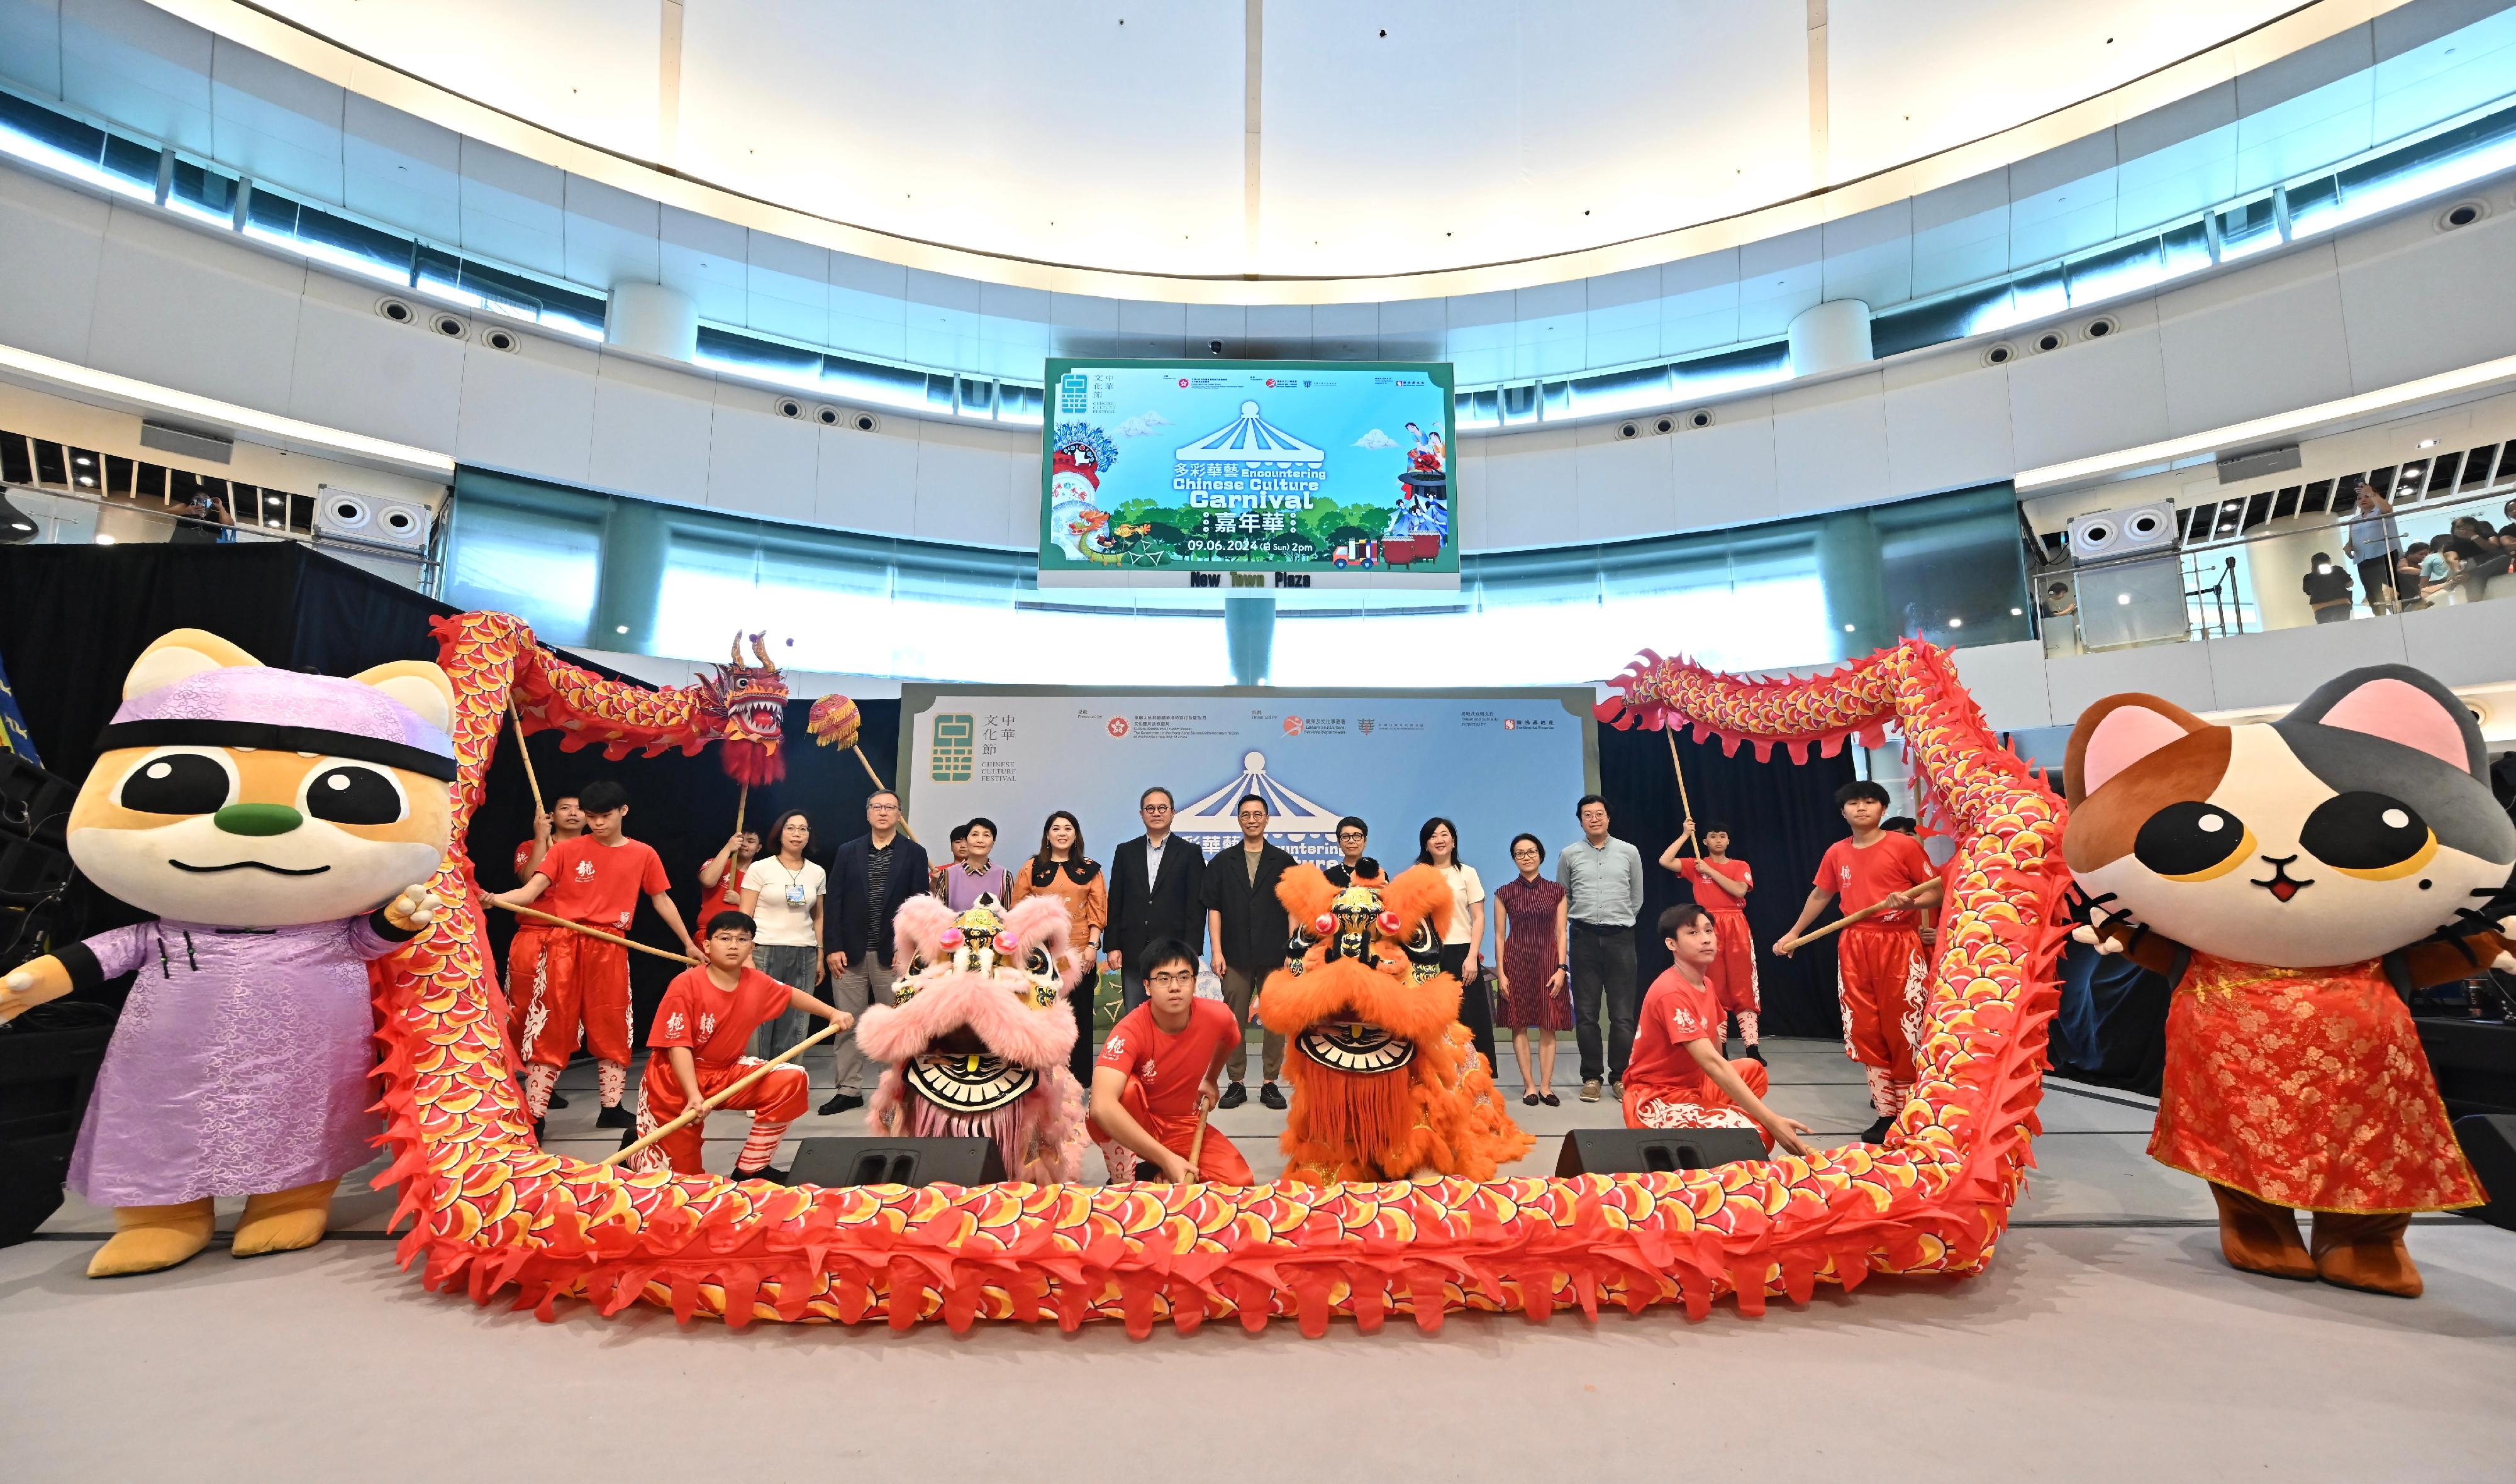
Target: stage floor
[(2108, 1339)]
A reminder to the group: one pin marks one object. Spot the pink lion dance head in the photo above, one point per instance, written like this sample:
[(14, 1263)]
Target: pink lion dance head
[(979, 1037)]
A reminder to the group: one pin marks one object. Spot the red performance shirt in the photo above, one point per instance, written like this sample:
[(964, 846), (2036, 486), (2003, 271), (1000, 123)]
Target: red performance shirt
[(726, 895), (1673, 1013), (1713, 899), (600, 885), (716, 1024), (1171, 1067), (1861, 877)]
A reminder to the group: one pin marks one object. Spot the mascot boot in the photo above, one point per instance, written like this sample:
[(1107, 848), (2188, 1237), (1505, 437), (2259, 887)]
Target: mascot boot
[(2293, 880), (263, 815)]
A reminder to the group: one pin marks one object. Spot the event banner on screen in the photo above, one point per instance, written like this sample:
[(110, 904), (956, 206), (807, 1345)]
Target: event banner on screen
[(1228, 473), (1494, 762)]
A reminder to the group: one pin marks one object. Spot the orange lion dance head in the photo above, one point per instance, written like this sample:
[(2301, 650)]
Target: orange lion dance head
[(1386, 1082)]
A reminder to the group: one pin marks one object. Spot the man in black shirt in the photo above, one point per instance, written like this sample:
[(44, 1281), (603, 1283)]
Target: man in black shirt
[(871, 876), (1250, 930), (2327, 589)]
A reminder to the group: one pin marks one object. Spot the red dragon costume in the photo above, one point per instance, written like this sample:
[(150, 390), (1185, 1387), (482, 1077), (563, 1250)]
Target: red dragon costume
[(491, 1214)]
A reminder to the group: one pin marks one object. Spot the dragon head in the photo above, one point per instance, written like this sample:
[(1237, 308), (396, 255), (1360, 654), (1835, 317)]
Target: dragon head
[(746, 705), (979, 1032)]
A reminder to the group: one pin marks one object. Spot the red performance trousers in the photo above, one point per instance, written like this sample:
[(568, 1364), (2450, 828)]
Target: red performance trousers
[(564, 988), (1880, 978)]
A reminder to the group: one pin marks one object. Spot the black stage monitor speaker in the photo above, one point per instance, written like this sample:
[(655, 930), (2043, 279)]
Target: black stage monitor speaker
[(897, 1162), (48, 1063), (2490, 1141), (1648, 1151), (33, 803)]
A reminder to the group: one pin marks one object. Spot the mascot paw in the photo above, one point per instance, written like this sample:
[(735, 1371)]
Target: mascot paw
[(22, 989), (2092, 938), (2506, 963), (416, 907)]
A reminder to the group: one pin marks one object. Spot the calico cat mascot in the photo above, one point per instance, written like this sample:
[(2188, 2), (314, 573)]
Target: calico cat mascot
[(263, 815), (2292, 879)]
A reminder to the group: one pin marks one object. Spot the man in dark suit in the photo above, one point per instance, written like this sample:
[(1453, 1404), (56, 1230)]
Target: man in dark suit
[(871, 876), (1157, 891), (1250, 930)]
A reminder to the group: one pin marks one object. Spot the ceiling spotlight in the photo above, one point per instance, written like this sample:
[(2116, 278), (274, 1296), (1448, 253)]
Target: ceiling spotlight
[(83, 458), (1847, 628), (619, 628), (14, 525), (1957, 623), (2424, 443), (102, 539), (86, 478), (2017, 613), (2122, 599)]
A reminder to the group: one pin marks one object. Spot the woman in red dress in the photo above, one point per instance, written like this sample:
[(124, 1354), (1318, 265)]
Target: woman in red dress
[(1531, 949)]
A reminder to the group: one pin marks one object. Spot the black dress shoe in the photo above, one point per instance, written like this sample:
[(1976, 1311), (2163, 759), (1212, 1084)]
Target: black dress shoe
[(615, 1117), (1550, 1099), (771, 1175), (841, 1103), (1271, 1095), (1530, 1099), (1755, 1052), (1233, 1096), (557, 1102), (1876, 1133), (537, 1130)]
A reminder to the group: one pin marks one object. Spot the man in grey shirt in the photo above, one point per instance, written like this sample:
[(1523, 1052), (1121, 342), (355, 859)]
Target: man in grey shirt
[(1603, 889)]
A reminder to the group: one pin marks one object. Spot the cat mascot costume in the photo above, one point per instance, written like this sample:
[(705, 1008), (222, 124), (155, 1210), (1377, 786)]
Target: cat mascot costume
[(263, 815), (2292, 880)]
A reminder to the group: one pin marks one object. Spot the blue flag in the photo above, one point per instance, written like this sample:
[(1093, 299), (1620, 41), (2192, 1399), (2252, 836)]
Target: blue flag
[(13, 724)]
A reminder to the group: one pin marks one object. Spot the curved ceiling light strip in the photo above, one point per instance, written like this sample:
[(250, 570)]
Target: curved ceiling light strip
[(320, 55)]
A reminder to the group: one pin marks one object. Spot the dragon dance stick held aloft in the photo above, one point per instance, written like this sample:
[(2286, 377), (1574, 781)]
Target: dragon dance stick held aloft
[(1693, 841), (526, 753), (702, 1109), (539, 916)]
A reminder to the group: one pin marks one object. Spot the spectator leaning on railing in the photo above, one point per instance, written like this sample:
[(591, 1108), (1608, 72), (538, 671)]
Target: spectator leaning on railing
[(2327, 589)]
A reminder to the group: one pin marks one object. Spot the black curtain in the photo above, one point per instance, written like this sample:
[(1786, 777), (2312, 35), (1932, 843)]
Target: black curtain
[(73, 619), (1781, 817)]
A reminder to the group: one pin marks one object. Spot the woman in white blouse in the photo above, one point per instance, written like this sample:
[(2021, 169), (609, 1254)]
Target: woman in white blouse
[(783, 893), (1462, 942)]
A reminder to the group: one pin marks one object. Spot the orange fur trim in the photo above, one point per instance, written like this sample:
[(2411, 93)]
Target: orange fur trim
[(1418, 893), (1306, 892)]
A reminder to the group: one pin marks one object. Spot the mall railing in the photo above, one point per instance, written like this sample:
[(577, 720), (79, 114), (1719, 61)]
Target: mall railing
[(2285, 572)]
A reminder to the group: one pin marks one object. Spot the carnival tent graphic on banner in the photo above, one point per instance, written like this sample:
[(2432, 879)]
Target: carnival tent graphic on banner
[(1249, 440), (1301, 826)]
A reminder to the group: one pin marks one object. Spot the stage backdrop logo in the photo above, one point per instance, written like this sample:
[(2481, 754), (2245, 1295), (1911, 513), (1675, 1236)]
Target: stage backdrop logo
[(955, 753)]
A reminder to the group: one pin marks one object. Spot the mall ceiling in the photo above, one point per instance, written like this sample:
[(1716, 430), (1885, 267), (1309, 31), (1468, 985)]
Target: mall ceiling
[(1284, 138)]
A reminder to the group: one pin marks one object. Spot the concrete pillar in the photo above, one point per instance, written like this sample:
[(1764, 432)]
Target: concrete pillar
[(2275, 570), (1249, 635), (654, 319), (1829, 335), (629, 582), (1856, 592)]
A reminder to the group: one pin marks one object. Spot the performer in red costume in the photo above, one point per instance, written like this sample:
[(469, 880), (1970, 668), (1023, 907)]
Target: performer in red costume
[(563, 821), (579, 987), (1721, 885), (701, 1030), (1154, 1081), (1678, 1077), (1881, 967)]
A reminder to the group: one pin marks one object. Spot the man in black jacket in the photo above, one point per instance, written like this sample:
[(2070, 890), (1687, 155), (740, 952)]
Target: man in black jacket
[(871, 876), (1250, 930), (1157, 891)]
